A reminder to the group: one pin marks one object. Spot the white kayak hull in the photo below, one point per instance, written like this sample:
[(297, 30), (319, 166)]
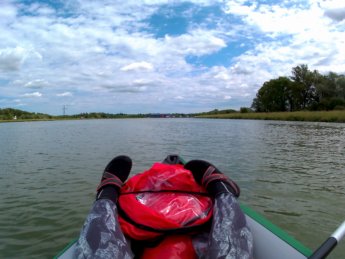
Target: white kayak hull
[(271, 242)]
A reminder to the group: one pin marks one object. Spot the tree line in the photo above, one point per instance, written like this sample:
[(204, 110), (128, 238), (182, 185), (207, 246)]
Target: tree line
[(303, 90), (10, 114), (16, 114)]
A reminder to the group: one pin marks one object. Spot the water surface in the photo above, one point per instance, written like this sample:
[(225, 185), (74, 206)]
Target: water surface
[(291, 172)]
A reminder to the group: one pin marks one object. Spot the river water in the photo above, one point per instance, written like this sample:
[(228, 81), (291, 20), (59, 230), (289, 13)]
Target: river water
[(293, 173)]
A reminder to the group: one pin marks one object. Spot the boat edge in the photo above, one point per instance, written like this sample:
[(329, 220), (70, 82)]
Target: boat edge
[(276, 230), (66, 248)]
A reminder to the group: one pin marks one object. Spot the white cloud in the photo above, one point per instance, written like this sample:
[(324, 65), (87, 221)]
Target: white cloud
[(12, 58), (299, 34), (110, 51), (238, 7), (334, 9), (198, 43), (331, 4), (37, 84), (7, 13), (143, 82), (275, 19), (138, 66), (336, 14), (222, 74), (64, 94), (34, 94)]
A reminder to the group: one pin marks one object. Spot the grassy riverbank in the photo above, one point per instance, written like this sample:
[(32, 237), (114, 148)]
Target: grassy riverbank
[(31, 120), (324, 116), (318, 116), (65, 118)]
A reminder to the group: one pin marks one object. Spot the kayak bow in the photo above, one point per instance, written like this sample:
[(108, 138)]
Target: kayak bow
[(270, 242)]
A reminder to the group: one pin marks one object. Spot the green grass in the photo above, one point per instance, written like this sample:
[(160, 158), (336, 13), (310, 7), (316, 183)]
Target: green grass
[(54, 119), (325, 116), (27, 120)]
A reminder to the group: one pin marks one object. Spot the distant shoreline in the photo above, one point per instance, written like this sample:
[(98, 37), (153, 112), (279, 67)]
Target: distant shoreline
[(64, 119), (82, 119), (312, 116)]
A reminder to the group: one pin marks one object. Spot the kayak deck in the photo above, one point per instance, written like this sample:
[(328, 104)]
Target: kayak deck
[(270, 242)]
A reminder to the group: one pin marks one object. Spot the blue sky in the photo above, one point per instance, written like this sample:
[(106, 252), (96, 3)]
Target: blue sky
[(159, 55)]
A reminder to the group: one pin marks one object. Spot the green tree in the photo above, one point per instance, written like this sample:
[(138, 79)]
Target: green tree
[(273, 96), (304, 90), (305, 81), (340, 86), (294, 96), (331, 91), (245, 110)]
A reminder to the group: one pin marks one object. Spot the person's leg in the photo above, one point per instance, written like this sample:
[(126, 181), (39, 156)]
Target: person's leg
[(230, 236), (101, 235)]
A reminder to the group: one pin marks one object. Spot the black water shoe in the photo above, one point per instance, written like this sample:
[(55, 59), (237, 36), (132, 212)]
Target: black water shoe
[(114, 175), (211, 178), (173, 160)]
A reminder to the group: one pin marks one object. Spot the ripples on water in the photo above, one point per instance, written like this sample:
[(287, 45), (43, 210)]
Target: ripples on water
[(292, 172)]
